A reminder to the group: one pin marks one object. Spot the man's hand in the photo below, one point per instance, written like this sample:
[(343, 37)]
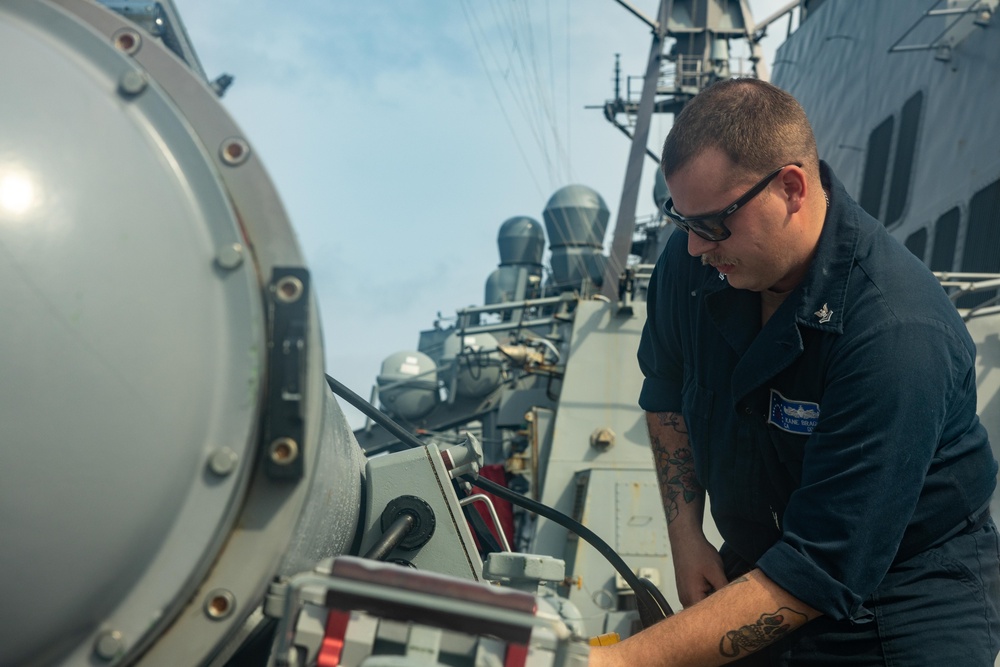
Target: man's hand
[(697, 569)]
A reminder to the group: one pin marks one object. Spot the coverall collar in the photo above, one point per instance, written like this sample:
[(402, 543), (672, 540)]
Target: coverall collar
[(818, 302)]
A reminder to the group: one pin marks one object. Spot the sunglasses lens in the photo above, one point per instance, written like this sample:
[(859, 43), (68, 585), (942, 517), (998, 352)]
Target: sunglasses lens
[(710, 229)]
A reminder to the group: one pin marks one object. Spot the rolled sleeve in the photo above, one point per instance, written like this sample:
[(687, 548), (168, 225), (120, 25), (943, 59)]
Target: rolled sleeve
[(660, 355), (796, 573), (660, 395)]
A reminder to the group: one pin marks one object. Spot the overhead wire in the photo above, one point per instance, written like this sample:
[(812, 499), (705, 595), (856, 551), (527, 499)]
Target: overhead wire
[(511, 56), (503, 109), (517, 57), (546, 111), (518, 76)]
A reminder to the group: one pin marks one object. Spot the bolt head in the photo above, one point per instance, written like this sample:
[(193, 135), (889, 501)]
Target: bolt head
[(223, 461), (230, 256), (109, 645), (132, 82), (602, 438)]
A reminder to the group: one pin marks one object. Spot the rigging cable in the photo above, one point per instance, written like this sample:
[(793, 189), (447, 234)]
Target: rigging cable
[(503, 110), (524, 83)]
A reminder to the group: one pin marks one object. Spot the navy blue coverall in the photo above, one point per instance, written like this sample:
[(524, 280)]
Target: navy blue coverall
[(839, 443)]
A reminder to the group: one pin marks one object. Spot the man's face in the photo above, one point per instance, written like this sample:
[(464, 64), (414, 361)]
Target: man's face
[(765, 247)]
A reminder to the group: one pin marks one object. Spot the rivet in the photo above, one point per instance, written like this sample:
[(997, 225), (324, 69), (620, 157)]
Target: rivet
[(229, 256), (283, 451), (223, 461), (132, 82), (109, 645), (288, 289), (219, 604), (127, 41), (234, 151)]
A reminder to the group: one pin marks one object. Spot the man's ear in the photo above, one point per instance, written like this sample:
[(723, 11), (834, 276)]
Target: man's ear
[(794, 188)]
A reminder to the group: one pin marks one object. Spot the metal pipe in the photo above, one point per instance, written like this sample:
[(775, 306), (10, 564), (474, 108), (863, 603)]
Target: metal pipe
[(507, 326), (764, 23), (621, 240), (483, 498), (638, 14), (527, 303), (399, 529)]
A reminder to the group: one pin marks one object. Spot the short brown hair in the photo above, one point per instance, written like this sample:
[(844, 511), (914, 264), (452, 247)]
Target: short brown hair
[(758, 125)]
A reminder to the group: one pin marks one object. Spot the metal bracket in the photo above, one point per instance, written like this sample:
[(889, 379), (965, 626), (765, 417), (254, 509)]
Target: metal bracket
[(288, 316)]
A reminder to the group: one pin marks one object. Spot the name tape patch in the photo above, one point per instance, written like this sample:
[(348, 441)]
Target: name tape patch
[(793, 416)]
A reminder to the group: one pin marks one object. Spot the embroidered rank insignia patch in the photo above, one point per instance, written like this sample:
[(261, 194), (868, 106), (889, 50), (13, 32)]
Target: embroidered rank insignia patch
[(792, 416)]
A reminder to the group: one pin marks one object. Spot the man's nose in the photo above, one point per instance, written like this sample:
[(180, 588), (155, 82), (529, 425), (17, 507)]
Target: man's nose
[(698, 246)]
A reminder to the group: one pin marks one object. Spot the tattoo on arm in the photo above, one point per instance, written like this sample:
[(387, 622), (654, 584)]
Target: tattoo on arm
[(768, 629), (675, 469), (673, 420)]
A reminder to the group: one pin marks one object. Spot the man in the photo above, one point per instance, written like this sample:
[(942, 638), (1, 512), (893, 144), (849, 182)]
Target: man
[(810, 374)]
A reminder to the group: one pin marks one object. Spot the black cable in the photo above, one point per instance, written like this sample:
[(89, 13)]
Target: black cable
[(657, 596), (374, 413), (651, 610)]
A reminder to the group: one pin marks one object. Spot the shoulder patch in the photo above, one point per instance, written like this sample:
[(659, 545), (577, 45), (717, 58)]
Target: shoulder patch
[(792, 416)]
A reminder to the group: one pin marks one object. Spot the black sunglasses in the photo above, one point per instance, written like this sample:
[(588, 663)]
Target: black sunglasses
[(712, 227)]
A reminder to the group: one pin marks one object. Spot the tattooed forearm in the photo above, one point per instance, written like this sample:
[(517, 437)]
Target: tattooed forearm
[(673, 420), (676, 477), (768, 628), (674, 462)]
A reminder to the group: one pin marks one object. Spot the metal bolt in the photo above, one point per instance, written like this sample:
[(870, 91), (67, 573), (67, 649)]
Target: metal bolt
[(229, 256), (234, 151), (132, 83), (223, 461), (288, 289), (219, 604), (127, 40), (283, 451), (602, 438), (109, 645)]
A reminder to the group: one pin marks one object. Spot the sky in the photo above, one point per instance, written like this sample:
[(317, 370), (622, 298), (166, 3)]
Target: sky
[(400, 135)]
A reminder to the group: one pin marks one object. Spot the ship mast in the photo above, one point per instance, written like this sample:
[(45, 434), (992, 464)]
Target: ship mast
[(701, 31)]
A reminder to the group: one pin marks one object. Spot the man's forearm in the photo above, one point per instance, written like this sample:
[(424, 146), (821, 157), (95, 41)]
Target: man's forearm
[(682, 495), (745, 616), (698, 568)]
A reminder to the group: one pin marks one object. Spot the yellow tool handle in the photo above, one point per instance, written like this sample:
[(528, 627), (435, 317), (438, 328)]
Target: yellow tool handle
[(606, 639)]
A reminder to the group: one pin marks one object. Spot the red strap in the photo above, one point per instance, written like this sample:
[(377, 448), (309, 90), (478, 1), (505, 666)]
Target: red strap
[(333, 640)]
